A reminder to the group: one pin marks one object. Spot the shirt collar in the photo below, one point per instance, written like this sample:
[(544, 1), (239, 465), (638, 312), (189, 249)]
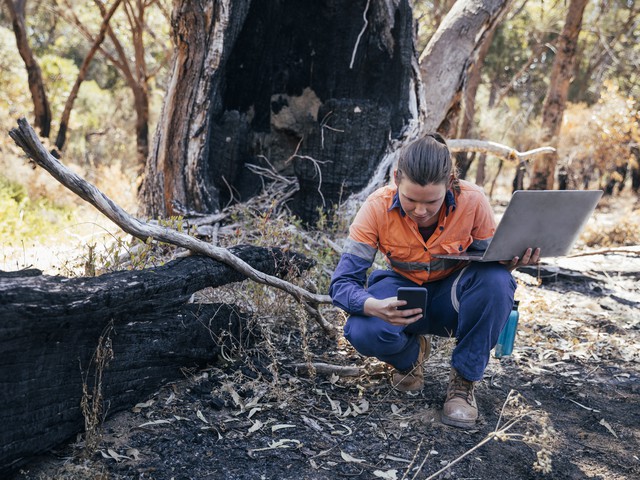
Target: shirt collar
[(449, 202), (396, 204)]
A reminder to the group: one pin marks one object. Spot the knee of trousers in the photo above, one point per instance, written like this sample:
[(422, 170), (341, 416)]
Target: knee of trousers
[(371, 338), (493, 277)]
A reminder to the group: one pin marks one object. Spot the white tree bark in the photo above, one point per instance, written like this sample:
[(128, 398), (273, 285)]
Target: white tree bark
[(451, 51)]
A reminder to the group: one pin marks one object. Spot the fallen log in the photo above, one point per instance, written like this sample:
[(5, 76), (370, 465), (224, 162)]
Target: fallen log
[(50, 328)]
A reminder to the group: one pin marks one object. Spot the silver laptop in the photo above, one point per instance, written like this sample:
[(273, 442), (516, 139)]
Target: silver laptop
[(547, 219)]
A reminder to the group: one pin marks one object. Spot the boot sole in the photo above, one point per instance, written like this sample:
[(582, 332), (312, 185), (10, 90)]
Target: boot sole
[(452, 422)]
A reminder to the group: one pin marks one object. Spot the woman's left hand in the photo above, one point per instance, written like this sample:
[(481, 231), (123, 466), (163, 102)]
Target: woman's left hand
[(530, 257)]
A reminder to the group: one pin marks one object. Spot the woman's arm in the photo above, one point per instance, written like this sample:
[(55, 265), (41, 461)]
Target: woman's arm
[(347, 283)]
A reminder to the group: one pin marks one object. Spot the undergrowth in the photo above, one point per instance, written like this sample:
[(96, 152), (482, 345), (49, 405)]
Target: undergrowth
[(22, 217)]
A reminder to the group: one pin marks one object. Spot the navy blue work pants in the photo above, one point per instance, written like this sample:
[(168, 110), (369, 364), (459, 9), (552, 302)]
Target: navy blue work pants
[(471, 305)]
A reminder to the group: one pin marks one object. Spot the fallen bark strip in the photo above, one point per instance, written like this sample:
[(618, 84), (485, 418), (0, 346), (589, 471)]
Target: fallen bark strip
[(27, 139), (49, 331)]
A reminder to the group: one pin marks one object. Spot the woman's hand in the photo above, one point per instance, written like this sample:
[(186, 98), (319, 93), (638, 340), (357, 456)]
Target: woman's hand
[(387, 310), (530, 257)]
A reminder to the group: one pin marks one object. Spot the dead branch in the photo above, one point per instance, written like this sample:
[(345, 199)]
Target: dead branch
[(496, 149), (27, 139)]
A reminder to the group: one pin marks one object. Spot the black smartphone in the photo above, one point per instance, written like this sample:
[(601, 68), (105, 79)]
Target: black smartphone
[(416, 297)]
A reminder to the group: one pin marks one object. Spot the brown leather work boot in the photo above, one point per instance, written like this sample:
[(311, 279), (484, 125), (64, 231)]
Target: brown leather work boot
[(414, 379), (460, 408)]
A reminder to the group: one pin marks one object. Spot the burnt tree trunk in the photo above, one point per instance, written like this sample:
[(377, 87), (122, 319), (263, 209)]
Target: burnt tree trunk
[(555, 101), (50, 328), (315, 89)]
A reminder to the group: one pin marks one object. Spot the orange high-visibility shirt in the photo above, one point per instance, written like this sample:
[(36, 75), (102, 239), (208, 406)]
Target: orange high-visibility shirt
[(465, 221)]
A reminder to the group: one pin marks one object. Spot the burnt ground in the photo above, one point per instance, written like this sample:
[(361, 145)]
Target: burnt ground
[(575, 368), (573, 410)]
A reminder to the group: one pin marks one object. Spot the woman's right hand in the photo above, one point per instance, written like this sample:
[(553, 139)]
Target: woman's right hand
[(387, 310)]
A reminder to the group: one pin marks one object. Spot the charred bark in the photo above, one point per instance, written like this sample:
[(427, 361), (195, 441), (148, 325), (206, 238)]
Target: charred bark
[(272, 80), (50, 326)]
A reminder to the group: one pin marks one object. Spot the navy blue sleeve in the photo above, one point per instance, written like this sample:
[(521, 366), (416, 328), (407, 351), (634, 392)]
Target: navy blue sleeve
[(347, 289)]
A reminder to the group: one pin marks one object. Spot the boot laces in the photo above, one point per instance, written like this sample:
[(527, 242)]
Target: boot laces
[(459, 387)]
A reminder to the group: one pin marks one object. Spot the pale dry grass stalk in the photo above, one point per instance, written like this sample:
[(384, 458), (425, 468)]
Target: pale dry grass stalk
[(92, 403)]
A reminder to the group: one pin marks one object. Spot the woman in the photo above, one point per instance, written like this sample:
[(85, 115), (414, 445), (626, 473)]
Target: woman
[(428, 212)]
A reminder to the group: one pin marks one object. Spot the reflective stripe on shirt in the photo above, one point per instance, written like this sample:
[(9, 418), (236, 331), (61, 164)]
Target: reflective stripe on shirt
[(359, 249)]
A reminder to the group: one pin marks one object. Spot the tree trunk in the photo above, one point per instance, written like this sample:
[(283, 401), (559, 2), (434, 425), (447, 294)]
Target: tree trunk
[(41, 108), (554, 104), (141, 104), (318, 91), (84, 68), (465, 129), (134, 72), (635, 169), (453, 49), (50, 327)]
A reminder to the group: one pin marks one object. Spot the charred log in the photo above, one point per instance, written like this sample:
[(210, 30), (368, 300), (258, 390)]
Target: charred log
[(50, 327)]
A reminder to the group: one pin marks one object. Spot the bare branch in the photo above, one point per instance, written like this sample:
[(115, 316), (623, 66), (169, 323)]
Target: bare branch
[(68, 106), (26, 138), (496, 149)]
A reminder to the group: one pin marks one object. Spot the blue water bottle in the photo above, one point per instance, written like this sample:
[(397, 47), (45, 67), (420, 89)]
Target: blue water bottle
[(504, 346)]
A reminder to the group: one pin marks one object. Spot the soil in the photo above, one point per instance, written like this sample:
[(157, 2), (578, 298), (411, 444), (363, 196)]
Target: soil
[(568, 398)]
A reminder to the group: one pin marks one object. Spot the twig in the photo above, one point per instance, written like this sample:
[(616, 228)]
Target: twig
[(364, 27), (27, 139), (583, 406), (316, 165), (504, 405), (413, 460)]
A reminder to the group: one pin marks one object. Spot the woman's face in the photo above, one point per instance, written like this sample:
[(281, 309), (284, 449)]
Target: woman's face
[(421, 203)]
